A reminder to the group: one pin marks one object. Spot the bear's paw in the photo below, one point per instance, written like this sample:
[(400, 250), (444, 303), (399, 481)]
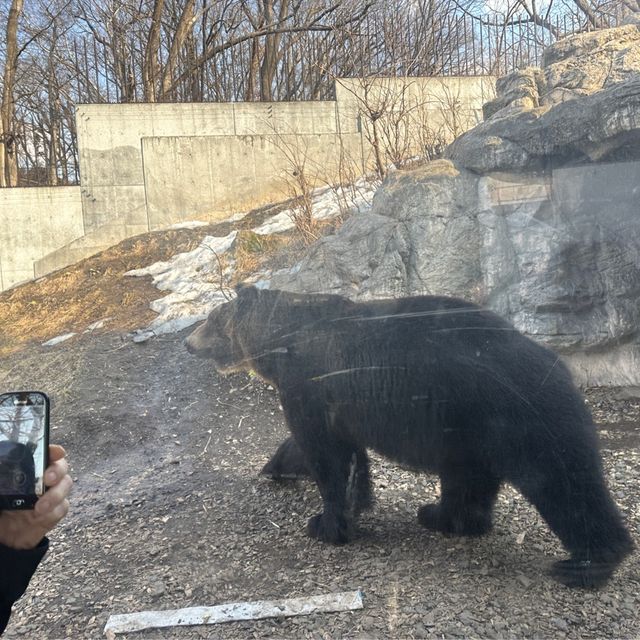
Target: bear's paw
[(584, 574), (431, 516), (331, 529)]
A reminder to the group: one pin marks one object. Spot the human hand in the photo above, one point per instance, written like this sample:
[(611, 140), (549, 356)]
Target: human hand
[(25, 529)]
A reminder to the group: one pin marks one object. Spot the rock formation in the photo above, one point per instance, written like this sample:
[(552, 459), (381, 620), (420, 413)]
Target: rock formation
[(535, 212)]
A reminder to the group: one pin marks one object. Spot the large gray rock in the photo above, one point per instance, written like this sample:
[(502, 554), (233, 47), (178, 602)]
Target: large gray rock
[(557, 253), (604, 126), (536, 214), (408, 242), (584, 104), (590, 62), (572, 67), (516, 91)]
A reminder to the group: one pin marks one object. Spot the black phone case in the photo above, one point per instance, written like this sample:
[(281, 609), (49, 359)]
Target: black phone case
[(15, 502)]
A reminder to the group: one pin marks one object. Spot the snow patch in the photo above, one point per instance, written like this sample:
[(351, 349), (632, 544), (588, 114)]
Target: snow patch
[(326, 203), (195, 280), (189, 224), (98, 324), (58, 340)]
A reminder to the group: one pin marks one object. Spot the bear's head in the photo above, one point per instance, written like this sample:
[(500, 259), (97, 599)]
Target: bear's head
[(258, 325), (218, 336)]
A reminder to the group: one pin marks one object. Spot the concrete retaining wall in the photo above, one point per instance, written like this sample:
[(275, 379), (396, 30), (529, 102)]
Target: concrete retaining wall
[(110, 142), (213, 177), (34, 222), (413, 116)]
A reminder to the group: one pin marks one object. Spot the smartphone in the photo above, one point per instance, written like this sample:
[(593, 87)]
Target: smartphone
[(24, 448)]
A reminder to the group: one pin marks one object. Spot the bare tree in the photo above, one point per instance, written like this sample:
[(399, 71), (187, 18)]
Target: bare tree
[(58, 53), (117, 28), (150, 70), (284, 22), (181, 35), (272, 45), (8, 160)]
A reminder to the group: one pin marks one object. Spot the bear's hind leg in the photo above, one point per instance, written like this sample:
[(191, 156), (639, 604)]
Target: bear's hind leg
[(578, 508), (287, 463), (466, 503)]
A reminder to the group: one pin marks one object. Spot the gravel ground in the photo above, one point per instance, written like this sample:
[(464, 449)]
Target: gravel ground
[(168, 511)]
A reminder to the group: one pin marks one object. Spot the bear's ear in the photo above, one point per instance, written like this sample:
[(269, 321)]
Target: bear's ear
[(240, 286), (246, 291)]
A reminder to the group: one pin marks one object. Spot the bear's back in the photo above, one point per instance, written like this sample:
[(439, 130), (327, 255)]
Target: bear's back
[(457, 345)]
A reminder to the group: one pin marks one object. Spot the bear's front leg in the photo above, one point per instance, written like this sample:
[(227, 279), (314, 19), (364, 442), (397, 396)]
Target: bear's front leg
[(336, 526), (339, 467), (334, 467)]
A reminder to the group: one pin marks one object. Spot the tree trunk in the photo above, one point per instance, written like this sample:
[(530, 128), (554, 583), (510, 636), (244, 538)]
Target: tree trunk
[(195, 88), (184, 28), (271, 53), (54, 115), (250, 92), (589, 13), (8, 144), (150, 71)]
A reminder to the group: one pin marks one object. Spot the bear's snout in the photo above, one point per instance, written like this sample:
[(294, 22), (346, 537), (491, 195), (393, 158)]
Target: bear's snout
[(195, 347), (194, 342), (188, 345)]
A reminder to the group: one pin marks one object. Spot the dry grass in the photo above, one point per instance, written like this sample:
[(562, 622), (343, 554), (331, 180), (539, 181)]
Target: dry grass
[(72, 298), (254, 251)]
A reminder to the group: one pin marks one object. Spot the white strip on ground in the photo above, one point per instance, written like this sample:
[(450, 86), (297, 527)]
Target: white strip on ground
[(233, 612)]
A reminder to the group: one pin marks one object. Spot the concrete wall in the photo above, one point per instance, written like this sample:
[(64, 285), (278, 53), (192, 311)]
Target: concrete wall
[(34, 222), (413, 116), (215, 176), (109, 139), (436, 97)]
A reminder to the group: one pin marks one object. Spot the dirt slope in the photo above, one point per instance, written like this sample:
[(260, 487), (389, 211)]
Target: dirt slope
[(70, 299)]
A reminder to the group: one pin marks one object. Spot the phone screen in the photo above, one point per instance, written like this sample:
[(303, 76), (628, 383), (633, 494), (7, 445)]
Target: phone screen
[(24, 441)]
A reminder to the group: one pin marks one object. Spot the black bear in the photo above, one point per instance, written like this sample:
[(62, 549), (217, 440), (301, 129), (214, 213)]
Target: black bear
[(437, 384)]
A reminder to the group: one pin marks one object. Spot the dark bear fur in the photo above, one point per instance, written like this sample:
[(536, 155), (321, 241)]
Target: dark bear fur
[(439, 385), (287, 463)]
